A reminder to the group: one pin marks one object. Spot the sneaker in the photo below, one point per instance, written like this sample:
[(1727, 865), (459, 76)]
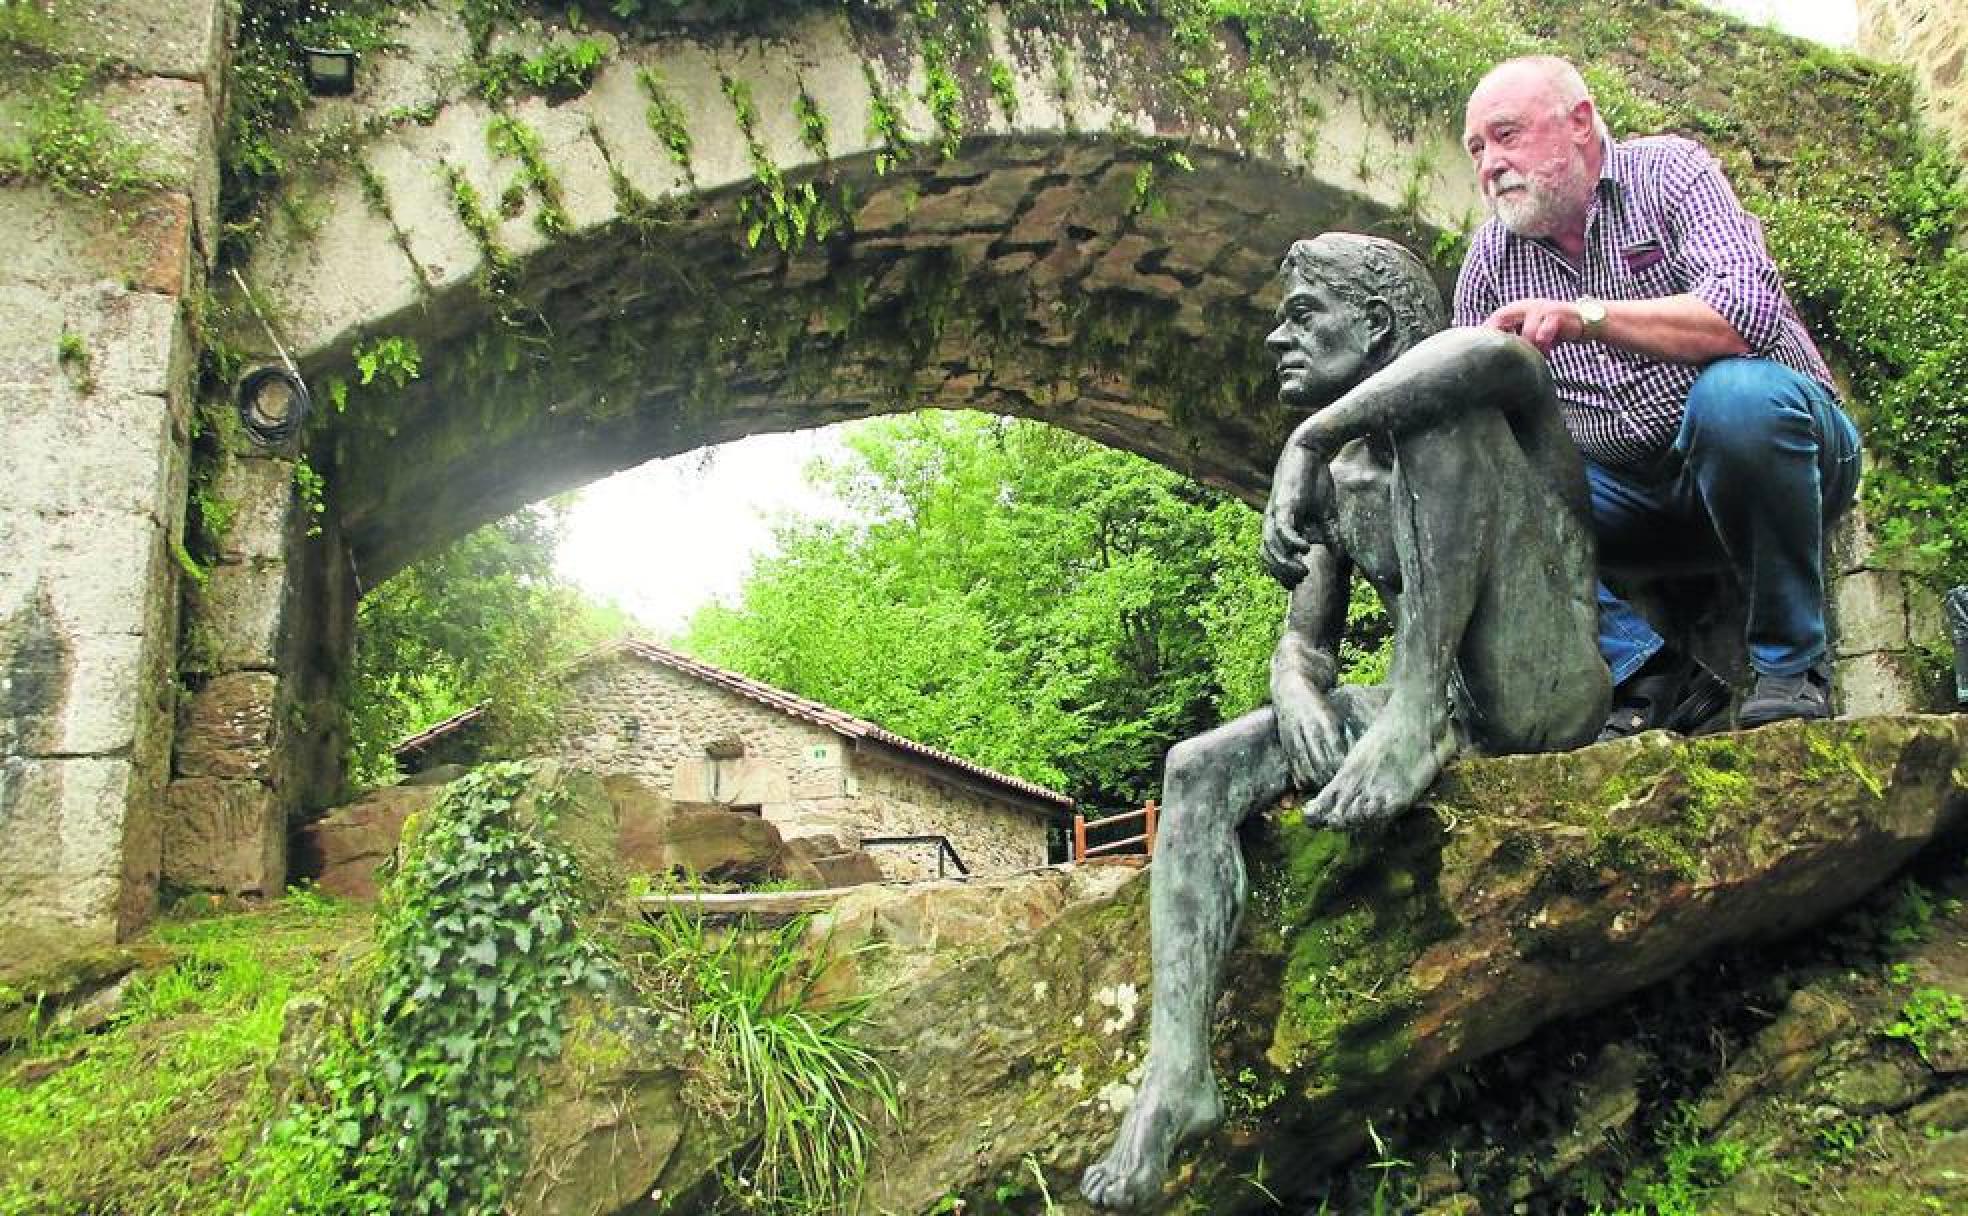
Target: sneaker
[(1670, 693), (1781, 698)]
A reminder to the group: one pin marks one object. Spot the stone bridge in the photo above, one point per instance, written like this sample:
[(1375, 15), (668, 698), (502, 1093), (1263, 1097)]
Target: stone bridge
[(686, 241)]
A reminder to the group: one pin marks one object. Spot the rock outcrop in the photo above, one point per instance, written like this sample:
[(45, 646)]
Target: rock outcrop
[(1526, 890)]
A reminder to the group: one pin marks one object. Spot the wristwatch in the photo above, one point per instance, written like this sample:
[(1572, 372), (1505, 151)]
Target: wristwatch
[(1592, 314)]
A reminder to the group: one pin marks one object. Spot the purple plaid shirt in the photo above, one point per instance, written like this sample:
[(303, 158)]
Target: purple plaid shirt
[(1662, 222)]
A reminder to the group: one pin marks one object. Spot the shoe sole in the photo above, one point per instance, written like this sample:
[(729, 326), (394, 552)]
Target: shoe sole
[(1696, 713)]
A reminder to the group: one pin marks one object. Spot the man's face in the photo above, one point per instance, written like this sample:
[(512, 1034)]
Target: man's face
[(1529, 153), (1322, 343)]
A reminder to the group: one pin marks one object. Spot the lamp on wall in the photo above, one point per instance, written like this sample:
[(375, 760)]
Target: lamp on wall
[(273, 404), (330, 70)]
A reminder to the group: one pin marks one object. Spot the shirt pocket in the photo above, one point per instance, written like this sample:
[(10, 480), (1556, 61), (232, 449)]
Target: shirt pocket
[(1644, 267)]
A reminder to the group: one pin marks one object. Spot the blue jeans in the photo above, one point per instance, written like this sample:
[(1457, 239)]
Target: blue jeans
[(1764, 460)]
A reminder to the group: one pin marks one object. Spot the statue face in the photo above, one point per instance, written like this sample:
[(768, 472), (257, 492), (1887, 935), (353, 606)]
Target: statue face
[(1322, 343)]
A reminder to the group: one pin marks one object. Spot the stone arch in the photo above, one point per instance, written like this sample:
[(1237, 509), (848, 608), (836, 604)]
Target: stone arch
[(587, 295)]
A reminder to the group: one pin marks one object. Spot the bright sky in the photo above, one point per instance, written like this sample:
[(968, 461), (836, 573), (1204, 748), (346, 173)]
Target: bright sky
[(665, 538)]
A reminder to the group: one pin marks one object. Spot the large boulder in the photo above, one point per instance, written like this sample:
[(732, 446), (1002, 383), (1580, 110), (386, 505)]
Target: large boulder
[(1526, 889)]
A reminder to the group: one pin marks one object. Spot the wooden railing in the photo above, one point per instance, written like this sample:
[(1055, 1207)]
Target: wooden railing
[(1116, 850)]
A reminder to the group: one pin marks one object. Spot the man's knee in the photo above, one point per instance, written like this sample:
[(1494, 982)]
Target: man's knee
[(1738, 408), (1186, 769)]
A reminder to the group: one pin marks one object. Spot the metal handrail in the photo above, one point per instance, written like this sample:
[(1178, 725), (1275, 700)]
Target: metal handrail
[(943, 849)]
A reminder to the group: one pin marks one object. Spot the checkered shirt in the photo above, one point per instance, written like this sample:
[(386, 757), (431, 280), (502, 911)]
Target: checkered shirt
[(1662, 222)]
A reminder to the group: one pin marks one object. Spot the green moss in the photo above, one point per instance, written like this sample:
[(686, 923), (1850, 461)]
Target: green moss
[(67, 142), (508, 136), (665, 117)]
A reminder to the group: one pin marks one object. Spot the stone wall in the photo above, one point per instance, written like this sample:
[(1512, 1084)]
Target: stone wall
[(700, 743), (1930, 37), (96, 363)]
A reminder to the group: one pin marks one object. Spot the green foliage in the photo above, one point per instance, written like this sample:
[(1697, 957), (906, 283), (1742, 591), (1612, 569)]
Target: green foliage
[(790, 214), (776, 1051), (1927, 1014), (484, 620), (1018, 595), (157, 1113), (66, 141), (508, 136), (416, 1106), (72, 355), (1691, 1167), (665, 116), (561, 71), (267, 91), (311, 488), (390, 358)]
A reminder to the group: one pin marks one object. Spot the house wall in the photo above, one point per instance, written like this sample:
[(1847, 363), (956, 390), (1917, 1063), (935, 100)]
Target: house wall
[(627, 715)]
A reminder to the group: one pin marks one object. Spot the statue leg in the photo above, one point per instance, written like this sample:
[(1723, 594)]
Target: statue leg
[(1444, 513), (1196, 898)]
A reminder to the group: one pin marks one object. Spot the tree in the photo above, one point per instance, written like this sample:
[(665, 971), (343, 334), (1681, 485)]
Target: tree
[(484, 620), (1015, 594)]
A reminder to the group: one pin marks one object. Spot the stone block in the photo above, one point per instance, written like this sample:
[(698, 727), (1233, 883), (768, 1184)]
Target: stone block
[(723, 846), (1869, 608), (1866, 685), (181, 38), (242, 606), (342, 850), (619, 109), (427, 59), (774, 82), (1034, 80), (986, 205), (688, 74), (587, 188), (171, 120), (228, 836), (260, 493), (105, 700), (330, 265), (460, 137), (53, 242), (60, 872), (94, 572), (227, 728), (67, 452), (830, 70), (408, 164)]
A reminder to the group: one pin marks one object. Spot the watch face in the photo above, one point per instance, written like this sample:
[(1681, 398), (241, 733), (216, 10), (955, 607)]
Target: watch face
[(1591, 311)]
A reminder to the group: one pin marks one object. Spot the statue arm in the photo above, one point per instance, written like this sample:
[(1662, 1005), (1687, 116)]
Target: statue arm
[(1434, 380), (1305, 666)]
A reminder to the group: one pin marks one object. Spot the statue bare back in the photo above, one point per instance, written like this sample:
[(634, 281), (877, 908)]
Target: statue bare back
[(1438, 465)]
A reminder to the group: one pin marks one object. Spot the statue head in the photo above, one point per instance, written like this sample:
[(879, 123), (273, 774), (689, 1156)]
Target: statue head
[(1352, 304)]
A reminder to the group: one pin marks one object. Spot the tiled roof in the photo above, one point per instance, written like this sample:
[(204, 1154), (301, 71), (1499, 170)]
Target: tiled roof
[(844, 724)]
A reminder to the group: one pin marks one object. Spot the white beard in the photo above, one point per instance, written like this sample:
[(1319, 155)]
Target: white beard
[(1549, 195)]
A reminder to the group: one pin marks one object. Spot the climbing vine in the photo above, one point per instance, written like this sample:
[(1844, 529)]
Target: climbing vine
[(415, 1107)]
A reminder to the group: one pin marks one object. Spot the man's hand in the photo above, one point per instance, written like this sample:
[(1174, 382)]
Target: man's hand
[(1542, 323), (1300, 476), (1313, 734)]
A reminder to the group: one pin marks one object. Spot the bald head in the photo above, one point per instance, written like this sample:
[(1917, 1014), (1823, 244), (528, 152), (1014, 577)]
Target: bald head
[(1536, 141), (1539, 84)]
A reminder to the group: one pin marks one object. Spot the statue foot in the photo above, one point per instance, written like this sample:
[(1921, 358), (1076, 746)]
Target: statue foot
[(1381, 777), (1163, 1116)]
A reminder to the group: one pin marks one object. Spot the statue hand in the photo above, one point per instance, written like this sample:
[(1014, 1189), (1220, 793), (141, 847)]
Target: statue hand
[(1298, 477), (1313, 734)]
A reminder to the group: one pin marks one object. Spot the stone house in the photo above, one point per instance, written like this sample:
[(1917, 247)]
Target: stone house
[(704, 735)]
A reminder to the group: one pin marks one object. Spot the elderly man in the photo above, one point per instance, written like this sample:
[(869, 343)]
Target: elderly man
[(1705, 414)]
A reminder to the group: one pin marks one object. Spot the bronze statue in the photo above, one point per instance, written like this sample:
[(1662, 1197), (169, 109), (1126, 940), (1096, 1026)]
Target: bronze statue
[(1438, 463)]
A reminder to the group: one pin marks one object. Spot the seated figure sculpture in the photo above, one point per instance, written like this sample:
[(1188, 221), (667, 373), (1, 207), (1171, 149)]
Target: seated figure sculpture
[(1437, 463)]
